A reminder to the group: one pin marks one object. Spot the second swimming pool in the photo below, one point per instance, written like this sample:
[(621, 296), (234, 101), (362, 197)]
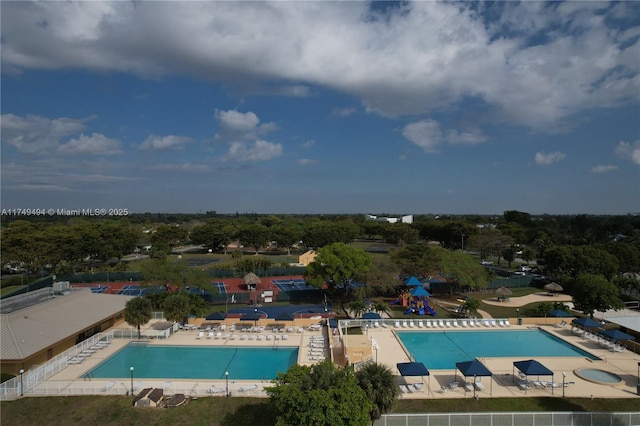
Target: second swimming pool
[(196, 362), (441, 350)]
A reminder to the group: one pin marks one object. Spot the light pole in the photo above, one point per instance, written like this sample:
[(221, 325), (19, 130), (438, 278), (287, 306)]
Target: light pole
[(462, 242), (564, 378), (131, 370), (226, 378), (21, 382), (517, 313)]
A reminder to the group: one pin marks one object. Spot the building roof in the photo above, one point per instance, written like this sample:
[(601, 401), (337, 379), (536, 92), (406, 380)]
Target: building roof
[(27, 331)]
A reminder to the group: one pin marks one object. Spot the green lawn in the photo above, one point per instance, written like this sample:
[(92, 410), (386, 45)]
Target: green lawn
[(118, 410)]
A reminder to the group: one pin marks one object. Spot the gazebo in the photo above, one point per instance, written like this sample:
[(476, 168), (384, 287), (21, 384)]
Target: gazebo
[(532, 367), (252, 281), (412, 282), (616, 335), (414, 369), (553, 288), (503, 293), (585, 323), (473, 369)]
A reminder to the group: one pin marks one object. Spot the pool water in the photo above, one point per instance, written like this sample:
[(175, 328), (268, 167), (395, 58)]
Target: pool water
[(598, 376), (441, 350), (190, 362)]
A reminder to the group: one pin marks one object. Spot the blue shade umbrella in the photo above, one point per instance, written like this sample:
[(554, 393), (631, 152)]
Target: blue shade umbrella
[(616, 335), (412, 281), (559, 313), (371, 316), (585, 323)]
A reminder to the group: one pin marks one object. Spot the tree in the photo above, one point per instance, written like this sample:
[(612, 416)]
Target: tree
[(254, 235), (379, 384), (357, 307), (336, 265), (319, 395), (509, 254), (543, 307), (137, 312), (164, 272), (382, 308), (418, 260), (213, 234), (287, 235), (471, 306), (170, 235), (594, 293)]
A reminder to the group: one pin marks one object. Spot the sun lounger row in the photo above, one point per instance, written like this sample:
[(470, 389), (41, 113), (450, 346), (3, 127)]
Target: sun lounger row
[(409, 388), (448, 323)]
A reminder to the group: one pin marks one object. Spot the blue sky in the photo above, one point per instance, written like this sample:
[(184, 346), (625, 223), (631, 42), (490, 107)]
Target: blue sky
[(322, 107)]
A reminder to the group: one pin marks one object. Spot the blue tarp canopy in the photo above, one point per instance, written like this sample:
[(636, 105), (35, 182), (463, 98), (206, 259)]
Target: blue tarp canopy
[(216, 316), (250, 317), (333, 323), (559, 313), (419, 291), (412, 281), (412, 369), (473, 369), (585, 323), (616, 335), (531, 367), (371, 315), (284, 316)]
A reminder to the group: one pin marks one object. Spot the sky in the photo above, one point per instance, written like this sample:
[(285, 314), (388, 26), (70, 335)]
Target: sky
[(321, 107)]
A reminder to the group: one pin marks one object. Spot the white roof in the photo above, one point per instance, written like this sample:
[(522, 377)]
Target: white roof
[(625, 317), (32, 329)]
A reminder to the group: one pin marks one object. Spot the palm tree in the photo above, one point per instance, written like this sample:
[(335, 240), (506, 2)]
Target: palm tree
[(379, 384), (137, 312), (382, 308), (471, 305), (357, 307)]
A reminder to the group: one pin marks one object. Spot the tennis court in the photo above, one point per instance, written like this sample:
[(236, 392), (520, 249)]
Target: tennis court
[(292, 284), (100, 289)]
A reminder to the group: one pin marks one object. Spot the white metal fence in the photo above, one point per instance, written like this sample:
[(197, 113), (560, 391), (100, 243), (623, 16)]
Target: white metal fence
[(569, 418)]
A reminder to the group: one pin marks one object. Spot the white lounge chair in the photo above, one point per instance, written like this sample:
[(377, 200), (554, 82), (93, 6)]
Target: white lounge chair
[(447, 323), (248, 388), (214, 390), (455, 323), (479, 386), (108, 386), (397, 324), (210, 335), (420, 324), (200, 334), (260, 336), (404, 324), (418, 386), (243, 336), (404, 389), (285, 336), (468, 387), (464, 323)]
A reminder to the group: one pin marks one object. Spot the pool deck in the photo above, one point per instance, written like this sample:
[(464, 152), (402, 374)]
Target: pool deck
[(390, 352)]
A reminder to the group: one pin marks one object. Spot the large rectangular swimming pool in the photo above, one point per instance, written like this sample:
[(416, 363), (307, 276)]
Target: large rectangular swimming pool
[(196, 362), (442, 349)]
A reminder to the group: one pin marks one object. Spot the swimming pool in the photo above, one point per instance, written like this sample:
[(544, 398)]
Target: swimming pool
[(441, 350), (196, 362)]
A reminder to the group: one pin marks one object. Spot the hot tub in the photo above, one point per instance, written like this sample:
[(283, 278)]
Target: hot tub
[(596, 375)]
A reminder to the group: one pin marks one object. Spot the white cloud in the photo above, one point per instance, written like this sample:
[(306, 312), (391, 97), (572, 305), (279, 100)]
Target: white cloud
[(469, 137), (629, 151), (543, 159), (33, 134), (96, 144), (161, 143), (601, 168), (252, 152), (305, 161), (308, 143), (343, 112), (424, 133), (236, 125), (181, 167), (412, 59)]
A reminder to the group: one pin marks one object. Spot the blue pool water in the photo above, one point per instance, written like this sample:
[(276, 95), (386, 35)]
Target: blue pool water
[(441, 350), (190, 362)]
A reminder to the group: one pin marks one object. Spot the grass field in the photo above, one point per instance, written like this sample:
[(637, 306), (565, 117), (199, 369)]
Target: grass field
[(118, 410)]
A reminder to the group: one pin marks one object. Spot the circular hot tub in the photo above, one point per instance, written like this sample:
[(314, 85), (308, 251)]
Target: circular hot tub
[(596, 375)]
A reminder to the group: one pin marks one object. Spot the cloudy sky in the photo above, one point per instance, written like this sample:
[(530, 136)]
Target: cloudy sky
[(321, 107)]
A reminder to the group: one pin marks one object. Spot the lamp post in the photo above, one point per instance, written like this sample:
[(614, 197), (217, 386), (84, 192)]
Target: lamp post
[(131, 370), (517, 313), (21, 382), (226, 378), (564, 378)]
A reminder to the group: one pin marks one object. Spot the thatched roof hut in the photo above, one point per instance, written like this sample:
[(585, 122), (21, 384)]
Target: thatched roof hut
[(252, 281)]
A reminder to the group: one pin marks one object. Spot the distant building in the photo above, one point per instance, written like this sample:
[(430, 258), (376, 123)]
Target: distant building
[(402, 219)]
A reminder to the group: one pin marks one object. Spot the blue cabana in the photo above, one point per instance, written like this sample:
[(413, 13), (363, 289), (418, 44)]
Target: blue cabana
[(414, 369), (412, 281), (253, 316), (284, 316), (585, 323), (532, 367), (216, 316), (616, 335), (371, 316), (473, 369), (420, 292), (559, 313)]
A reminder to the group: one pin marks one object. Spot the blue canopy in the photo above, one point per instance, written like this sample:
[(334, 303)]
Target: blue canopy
[(473, 368), (585, 323), (371, 315), (419, 291), (532, 367), (284, 316), (559, 313), (616, 335), (412, 369), (333, 323), (250, 317), (412, 281), (216, 316)]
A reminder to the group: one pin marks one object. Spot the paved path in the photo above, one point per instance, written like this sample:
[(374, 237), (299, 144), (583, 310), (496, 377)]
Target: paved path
[(516, 302)]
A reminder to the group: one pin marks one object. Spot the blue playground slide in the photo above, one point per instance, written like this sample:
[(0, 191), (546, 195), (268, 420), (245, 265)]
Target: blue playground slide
[(430, 311)]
